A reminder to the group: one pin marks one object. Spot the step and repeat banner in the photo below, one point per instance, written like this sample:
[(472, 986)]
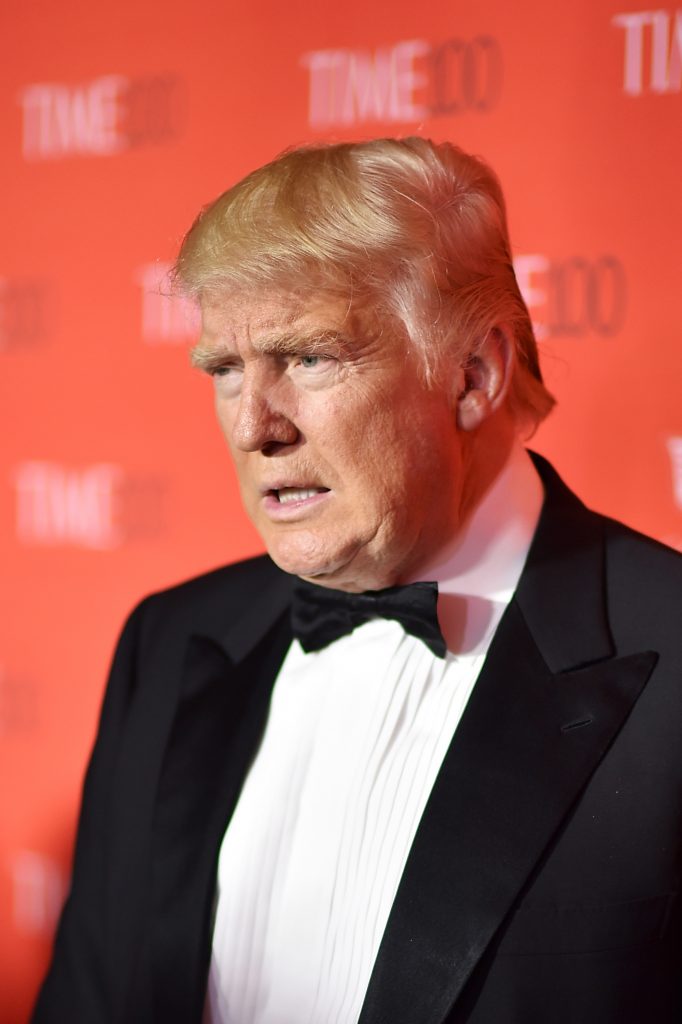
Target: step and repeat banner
[(119, 121)]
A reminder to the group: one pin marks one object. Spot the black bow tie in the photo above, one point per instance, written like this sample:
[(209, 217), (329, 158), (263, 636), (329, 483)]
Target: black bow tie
[(320, 615)]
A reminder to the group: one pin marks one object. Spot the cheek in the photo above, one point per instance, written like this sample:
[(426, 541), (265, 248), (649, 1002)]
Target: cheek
[(374, 457)]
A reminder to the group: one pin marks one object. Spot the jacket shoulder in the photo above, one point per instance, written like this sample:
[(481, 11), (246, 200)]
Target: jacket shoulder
[(209, 600), (625, 547), (644, 586), (631, 543)]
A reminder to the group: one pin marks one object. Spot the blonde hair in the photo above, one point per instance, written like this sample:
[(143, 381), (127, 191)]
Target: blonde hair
[(414, 230)]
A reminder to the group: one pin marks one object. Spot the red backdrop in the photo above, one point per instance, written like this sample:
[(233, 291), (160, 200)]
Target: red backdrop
[(119, 121)]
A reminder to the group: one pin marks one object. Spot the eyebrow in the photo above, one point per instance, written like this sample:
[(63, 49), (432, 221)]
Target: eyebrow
[(208, 357)]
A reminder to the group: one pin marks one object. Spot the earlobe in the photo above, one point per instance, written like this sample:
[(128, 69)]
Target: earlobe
[(473, 407), (483, 380)]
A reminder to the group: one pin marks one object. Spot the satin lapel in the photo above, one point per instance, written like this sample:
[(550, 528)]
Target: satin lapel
[(216, 732), (215, 735), (195, 723), (548, 703), (525, 748)]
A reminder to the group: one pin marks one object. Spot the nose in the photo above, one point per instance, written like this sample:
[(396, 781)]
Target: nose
[(259, 424)]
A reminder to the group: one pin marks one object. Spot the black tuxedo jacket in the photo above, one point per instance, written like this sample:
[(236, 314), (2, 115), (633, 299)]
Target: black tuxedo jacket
[(542, 884)]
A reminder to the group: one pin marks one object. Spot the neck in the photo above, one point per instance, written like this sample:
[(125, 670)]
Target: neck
[(478, 572), (480, 557)]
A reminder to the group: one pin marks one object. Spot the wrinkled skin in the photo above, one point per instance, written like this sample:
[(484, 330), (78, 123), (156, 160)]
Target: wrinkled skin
[(310, 400)]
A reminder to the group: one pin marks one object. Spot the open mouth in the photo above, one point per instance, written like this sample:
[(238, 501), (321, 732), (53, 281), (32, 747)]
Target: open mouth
[(289, 495)]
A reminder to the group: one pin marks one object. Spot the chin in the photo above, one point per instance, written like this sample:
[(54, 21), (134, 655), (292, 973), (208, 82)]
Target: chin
[(299, 564), (311, 562)]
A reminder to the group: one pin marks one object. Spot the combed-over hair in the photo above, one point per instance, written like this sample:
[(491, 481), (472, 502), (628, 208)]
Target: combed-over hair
[(414, 230)]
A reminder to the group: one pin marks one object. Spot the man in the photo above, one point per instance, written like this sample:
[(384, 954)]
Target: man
[(315, 797)]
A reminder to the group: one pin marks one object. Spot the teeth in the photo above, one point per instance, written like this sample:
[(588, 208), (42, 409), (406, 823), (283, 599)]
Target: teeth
[(287, 494)]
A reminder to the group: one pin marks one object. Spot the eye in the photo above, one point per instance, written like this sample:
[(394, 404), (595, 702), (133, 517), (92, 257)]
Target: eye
[(227, 379), (222, 370), (314, 369), (314, 362)]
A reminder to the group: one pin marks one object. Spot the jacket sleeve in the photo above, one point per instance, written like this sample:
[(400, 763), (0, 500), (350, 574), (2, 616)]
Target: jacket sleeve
[(74, 989)]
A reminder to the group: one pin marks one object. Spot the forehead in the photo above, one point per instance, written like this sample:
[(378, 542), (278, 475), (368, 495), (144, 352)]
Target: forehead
[(255, 317)]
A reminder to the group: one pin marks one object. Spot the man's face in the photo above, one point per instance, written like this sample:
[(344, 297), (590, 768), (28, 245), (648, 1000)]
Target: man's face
[(349, 467)]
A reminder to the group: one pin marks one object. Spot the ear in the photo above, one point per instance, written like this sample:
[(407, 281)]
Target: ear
[(484, 378)]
